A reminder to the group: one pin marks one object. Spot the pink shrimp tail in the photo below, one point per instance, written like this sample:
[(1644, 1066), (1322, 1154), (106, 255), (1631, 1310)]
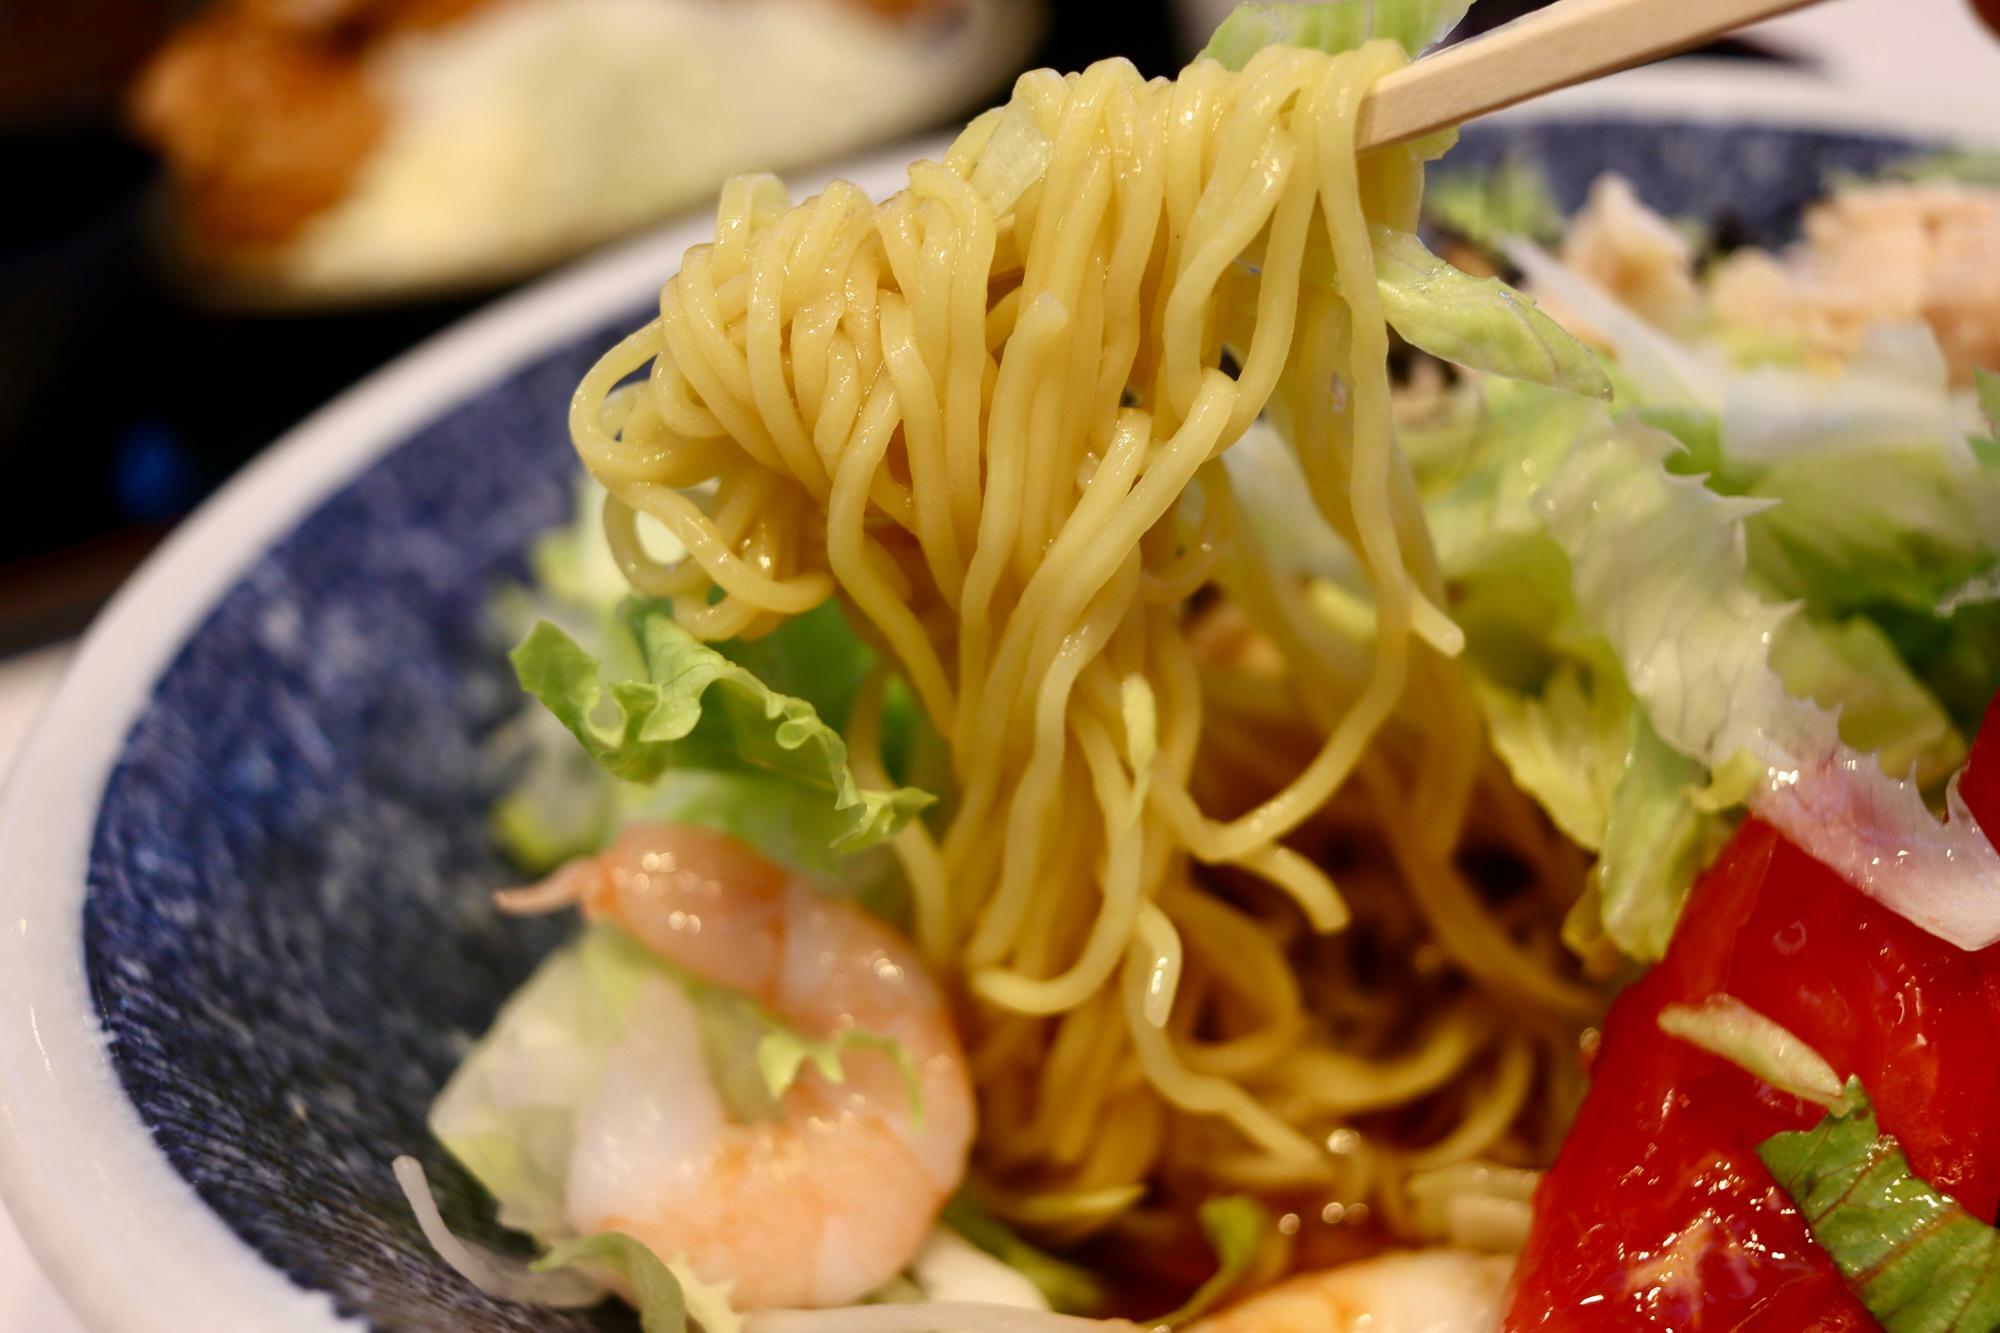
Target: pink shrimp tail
[(568, 886)]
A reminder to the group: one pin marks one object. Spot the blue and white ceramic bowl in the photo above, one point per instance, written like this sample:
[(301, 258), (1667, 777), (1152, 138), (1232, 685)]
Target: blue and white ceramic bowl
[(244, 932)]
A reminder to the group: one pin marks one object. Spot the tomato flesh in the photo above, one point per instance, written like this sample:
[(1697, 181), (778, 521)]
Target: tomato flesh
[(1658, 1213)]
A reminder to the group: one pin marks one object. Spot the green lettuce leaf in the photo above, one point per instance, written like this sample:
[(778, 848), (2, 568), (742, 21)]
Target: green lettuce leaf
[(1851, 496), (1658, 569), (1565, 746), (1987, 447), (1593, 762), (1656, 840), (1893, 393), (1954, 650), (1852, 666), (563, 803), (1486, 207), (1343, 25), (1896, 527), (1479, 470), (1481, 323), (1915, 1258), (696, 708), (1556, 704), (1964, 166), (651, 1286), (1238, 1228), (1068, 1288), (783, 1054)]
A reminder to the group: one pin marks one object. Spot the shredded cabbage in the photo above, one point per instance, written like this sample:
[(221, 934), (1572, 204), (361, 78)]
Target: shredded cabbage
[(1480, 323), (669, 718), (1658, 568), (1239, 1228), (1724, 1026), (663, 1294), (1063, 1286), (1488, 207), (1415, 25)]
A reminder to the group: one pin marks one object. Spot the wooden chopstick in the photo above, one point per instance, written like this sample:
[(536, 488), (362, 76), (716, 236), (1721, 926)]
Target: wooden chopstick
[(1569, 42)]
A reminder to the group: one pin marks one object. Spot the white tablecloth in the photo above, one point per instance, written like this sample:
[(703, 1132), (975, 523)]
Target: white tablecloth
[(1930, 51)]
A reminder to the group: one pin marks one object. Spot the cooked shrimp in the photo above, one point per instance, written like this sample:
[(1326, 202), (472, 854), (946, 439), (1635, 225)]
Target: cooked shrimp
[(835, 1196), (1427, 1291)]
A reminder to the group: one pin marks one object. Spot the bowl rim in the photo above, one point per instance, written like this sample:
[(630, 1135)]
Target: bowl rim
[(79, 1171)]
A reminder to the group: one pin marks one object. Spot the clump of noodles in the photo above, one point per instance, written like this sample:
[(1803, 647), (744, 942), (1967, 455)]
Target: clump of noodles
[(990, 414)]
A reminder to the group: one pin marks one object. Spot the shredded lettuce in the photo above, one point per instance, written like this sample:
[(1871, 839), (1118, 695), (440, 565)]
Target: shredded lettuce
[(1662, 371), (563, 803), (1596, 728), (577, 1274), (646, 1280), (1724, 1026), (1895, 527), (1915, 1258), (1500, 442), (1487, 207), (1986, 448), (1894, 392), (1557, 706), (1657, 838), (1565, 745), (1068, 1288), (1963, 166), (697, 708), (1592, 760), (1852, 518), (1481, 323), (1343, 25), (1238, 1228), (1658, 569), (1852, 667), (951, 1269), (783, 1054)]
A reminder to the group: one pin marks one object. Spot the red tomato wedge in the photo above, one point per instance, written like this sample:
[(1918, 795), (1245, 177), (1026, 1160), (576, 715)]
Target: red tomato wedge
[(1658, 1213)]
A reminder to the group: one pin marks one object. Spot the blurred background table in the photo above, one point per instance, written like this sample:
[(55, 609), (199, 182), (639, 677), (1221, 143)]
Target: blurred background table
[(105, 369)]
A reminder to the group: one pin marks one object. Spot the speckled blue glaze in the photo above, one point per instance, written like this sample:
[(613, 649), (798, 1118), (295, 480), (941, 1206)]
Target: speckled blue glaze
[(287, 928)]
